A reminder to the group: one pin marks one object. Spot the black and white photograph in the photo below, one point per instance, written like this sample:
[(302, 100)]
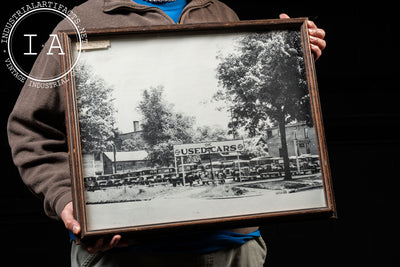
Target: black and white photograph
[(226, 131)]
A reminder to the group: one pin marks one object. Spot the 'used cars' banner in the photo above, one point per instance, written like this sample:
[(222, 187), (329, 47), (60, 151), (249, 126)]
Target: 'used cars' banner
[(206, 148)]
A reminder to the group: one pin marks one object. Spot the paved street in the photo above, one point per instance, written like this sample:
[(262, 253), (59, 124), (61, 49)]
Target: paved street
[(182, 206)]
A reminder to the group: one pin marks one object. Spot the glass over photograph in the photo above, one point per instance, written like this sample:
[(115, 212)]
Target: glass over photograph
[(198, 126)]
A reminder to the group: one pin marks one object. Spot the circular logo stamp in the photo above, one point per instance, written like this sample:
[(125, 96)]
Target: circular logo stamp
[(26, 33)]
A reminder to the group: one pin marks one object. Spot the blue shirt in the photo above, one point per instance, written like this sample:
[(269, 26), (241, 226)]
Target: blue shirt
[(198, 243), (172, 9)]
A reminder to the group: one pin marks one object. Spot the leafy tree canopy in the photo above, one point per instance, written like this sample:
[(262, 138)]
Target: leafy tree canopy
[(96, 110), (265, 80), (162, 126)]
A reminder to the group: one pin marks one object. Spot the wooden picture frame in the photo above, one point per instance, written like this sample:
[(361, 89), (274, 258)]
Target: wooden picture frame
[(147, 106)]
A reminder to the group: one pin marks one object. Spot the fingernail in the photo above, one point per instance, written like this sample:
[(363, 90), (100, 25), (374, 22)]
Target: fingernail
[(75, 229)]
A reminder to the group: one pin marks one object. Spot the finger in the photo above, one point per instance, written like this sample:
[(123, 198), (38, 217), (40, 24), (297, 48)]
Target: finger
[(316, 50), (73, 226), (311, 24), (318, 42), (101, 245), (98, 246), (67, 217), (115, 240), (320, 33), (113, 243), (284, 16)]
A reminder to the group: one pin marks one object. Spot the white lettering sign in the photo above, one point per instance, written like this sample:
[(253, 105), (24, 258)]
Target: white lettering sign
[(208, 148)]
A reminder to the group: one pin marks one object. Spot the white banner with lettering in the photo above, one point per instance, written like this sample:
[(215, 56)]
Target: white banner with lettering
[(208, 148)]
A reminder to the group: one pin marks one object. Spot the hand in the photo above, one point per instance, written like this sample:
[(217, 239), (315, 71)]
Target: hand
[(317, 35), (71, 224)]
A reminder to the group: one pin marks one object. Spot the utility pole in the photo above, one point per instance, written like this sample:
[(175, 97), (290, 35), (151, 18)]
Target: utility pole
[(115, 158)]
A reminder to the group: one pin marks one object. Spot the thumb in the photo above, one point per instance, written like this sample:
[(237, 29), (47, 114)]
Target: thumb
[(284, 16), (67, 216)]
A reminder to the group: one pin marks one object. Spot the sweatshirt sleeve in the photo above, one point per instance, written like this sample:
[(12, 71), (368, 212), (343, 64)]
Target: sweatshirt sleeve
[(36, 133)]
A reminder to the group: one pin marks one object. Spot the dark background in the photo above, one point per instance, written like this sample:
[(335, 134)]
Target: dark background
[(356, 77)]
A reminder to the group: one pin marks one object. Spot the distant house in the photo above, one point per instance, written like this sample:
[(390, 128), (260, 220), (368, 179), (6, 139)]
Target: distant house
[(96, 164), (299, 137), (101, 163), (129, 161)]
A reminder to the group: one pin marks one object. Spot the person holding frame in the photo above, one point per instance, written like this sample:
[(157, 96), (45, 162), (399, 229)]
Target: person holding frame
[(37, 137)]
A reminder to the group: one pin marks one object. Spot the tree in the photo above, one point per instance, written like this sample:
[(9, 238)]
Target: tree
[(96, 111), (133, 144), (208, 133), (264, 82), (162, 126)]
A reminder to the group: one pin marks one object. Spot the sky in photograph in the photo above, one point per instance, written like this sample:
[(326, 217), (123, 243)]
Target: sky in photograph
[(185, 66)]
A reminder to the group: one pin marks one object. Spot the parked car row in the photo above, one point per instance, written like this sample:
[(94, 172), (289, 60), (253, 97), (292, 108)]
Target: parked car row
[(215, 172)]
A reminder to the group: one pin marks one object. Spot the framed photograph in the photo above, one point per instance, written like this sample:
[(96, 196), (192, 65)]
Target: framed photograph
[(208, 125)]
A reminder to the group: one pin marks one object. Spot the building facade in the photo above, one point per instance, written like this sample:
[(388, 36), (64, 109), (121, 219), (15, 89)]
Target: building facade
[(300, 139), (102, 163)]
